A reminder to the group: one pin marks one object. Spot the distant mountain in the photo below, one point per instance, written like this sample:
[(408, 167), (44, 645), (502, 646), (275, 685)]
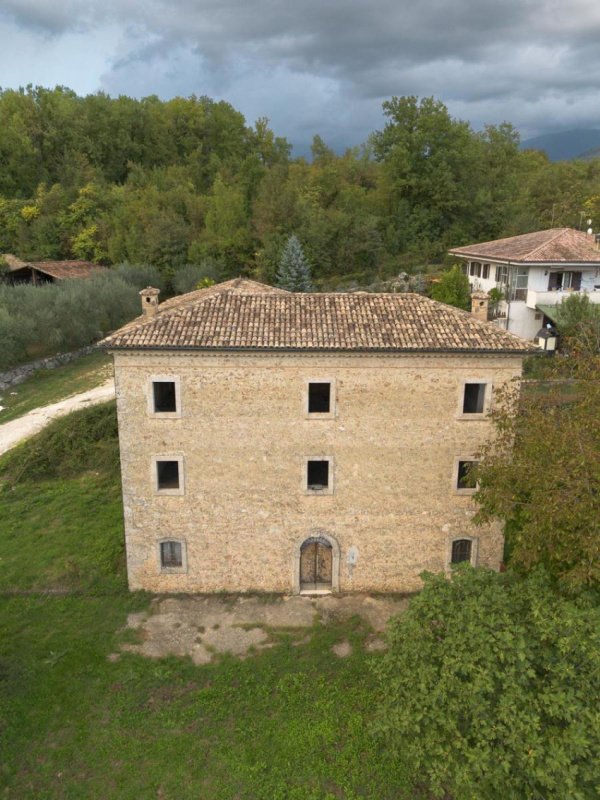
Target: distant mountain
[(589, 154), (565, 145)]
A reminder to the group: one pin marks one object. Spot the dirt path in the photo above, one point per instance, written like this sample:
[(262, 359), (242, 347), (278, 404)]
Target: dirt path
[(11, 433)]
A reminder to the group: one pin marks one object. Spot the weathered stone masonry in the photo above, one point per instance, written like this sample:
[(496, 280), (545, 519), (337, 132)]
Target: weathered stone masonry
[(243, 434)]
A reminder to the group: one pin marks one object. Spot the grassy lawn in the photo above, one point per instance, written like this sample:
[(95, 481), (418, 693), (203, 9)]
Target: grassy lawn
[(48, 386), (288, 724)]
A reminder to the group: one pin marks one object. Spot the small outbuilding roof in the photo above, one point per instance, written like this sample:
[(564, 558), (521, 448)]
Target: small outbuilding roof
[(554, 246), (59, 270), (244, 315)]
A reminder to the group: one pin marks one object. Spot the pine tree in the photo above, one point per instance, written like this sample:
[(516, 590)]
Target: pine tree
[(294, 271)]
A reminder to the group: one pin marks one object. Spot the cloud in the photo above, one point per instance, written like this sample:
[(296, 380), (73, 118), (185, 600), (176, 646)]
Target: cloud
[(326, 66)]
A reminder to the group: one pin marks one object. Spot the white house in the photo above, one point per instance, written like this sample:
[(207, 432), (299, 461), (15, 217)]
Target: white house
[(534, 272)]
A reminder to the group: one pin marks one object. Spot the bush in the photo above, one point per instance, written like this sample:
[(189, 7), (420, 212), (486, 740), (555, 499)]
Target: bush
[(490, 689), (187, 278), (140, 275)]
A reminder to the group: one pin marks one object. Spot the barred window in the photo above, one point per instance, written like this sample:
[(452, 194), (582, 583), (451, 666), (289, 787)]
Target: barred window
[(170, 554), (461, 550)]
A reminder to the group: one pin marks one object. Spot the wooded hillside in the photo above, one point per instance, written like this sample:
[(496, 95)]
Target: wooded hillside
[(187, 180)]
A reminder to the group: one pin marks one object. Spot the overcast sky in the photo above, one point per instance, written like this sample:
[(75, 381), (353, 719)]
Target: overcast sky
[(320, 66)]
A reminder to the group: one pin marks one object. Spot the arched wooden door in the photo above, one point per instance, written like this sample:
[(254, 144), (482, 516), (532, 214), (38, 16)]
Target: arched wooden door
[(316, 564)]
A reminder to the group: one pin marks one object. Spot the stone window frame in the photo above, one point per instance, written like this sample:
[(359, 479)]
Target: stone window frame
[(330, 476), (150, 396), (332, 413), (184, 561), (487, 400), (154, 475), (470, 490), (474, 551)]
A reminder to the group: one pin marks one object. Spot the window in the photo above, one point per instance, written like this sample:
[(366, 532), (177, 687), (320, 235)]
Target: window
[(475, 269), (502, 276), (461, 551), (518, 284), (558, 281), (168, 474), (170, 554), (485, 271), (319, 398), (465, 481), (319, 475), (474, 398), (164, 396)]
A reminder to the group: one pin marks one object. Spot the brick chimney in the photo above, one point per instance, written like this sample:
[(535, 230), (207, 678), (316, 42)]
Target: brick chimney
[(149, 297), (479, 305)]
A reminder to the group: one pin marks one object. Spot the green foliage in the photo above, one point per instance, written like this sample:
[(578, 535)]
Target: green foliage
[(175, 182), (188, 278), (294, 270), (486, 690), (86, 440), (453, 289), (578, 323), (541, 472), (47, 386)]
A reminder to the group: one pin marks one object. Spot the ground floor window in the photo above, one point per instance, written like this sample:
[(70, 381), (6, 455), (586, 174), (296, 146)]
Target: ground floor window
[(172, 555), (461, 550)]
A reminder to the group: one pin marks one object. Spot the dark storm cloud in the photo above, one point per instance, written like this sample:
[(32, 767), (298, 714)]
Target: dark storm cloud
[(516, 58)]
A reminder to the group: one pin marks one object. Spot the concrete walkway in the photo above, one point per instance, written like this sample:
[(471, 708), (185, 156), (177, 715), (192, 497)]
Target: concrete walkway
[(11, 433)]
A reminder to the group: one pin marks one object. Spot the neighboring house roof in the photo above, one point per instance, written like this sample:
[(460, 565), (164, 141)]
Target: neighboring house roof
[(554, 246), (229, 317), (58, 270)]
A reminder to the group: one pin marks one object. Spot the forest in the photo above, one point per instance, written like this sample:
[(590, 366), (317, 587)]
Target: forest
[(188, 181)]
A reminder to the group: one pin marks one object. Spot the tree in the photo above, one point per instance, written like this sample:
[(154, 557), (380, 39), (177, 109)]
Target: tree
[(486, 690), (453, 289), (578, 322), (541, 472), (294, 271)]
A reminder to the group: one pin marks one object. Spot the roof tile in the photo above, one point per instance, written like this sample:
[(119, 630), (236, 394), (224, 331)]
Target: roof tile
[(226, 319)]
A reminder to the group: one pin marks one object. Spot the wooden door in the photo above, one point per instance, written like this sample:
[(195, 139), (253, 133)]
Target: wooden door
[(316, 564)]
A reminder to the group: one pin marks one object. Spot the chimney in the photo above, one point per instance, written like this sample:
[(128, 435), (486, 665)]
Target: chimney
[(149, 301), (479, 305)]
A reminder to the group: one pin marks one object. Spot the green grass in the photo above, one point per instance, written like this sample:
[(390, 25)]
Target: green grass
[(288, 724), (48, 386)]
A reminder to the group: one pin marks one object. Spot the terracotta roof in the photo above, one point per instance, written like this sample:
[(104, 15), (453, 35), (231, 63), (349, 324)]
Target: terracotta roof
[(65, 269), (56, 269), (557, 245), (263, 320)]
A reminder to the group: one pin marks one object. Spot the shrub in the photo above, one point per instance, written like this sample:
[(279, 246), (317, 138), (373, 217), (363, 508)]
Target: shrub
[(82, 441), (490, 689), (187, 278)]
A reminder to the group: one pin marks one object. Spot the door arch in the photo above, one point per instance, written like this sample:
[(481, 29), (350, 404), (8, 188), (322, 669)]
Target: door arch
[(316, 564)]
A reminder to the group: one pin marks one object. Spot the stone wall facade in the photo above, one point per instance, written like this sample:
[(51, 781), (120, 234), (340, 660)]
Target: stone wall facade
[(242, 436)]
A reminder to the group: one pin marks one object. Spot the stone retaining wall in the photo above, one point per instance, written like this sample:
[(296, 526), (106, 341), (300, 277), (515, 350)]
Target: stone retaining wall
[(18, 374)]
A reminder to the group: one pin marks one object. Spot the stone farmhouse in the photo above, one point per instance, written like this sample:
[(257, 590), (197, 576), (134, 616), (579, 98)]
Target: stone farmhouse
[(285, 442), (534, 272)]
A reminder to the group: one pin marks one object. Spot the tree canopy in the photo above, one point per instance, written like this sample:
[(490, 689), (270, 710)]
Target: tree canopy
[(489, 689), (541, 471), (176, 182)]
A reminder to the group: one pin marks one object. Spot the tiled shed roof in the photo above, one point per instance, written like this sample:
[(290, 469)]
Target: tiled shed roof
[(554, 246), (265, 320), (66, 269)]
